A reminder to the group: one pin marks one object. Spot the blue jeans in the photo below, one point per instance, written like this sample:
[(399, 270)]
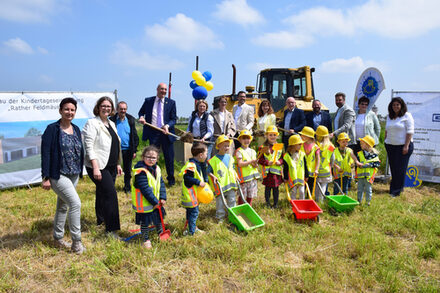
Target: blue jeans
[(344, 185), (191, 216), (364, 187)]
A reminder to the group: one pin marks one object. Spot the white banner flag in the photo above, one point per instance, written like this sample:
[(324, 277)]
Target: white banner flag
[(370, 85)]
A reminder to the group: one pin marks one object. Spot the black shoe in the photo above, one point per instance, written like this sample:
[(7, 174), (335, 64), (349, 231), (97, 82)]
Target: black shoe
[(127, 189), (171, 183)]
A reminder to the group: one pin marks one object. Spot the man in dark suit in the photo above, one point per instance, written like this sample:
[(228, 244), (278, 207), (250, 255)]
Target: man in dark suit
[(294, 120), (125, 125), (160, 111), (317, 117)]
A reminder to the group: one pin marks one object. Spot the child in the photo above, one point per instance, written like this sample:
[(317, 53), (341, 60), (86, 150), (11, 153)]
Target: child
[(312, 153), (194, 174), (295, 169), (369, 162), (326, 149), (343, 162), (148, 192), (221, 173), (247, 167), (271, 161)]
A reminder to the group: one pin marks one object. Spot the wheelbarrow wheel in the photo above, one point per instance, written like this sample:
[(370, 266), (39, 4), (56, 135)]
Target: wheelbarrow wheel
[(317, 219), (295, 218)]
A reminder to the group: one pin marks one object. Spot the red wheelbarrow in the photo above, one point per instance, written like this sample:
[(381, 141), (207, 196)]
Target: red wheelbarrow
[(304, 209)]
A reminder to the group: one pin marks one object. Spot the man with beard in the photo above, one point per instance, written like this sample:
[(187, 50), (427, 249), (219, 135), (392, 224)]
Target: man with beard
[(318, 117)]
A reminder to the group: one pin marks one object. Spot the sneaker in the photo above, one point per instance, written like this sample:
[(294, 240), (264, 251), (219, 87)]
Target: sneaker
[(368, 203), (77, 247), (199, 231), (113, 235), (147, 244), (61, 243), (185, 233)]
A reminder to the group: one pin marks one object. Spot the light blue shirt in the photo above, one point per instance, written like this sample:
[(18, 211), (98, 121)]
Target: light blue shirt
[(287, 120), (338, 113), (316, 120), (237, 113), (124, 132)]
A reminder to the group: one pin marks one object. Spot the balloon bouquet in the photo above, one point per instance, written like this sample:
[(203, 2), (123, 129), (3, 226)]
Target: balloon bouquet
[(201, 84)]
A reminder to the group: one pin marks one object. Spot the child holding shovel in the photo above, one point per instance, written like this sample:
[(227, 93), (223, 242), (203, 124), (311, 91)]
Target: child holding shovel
[(148, 193), (295, 167), (247, 167), (271, 160), (222, 175), (343, 163), (312, 153), (369, 162)]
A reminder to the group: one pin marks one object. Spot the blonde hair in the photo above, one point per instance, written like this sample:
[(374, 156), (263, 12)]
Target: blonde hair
[(370, 148), (323, 140)]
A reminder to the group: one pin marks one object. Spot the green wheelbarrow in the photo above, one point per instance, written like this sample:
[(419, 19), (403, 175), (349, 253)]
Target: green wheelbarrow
[(242, 216), (341, 203)]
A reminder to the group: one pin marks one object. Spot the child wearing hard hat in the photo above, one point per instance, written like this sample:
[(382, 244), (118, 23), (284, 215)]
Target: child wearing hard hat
[(246, 167), (326, 149), (222, 176), (344, 158), (295, 167), (194, 175), (369, 163), (313, 158), (272, 163), (148, 193)]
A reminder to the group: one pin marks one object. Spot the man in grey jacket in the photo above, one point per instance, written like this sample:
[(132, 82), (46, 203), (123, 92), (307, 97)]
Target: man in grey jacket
[(344, 119)]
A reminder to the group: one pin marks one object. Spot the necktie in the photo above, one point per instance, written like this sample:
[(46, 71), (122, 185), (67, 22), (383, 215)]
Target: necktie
[(159, 113)]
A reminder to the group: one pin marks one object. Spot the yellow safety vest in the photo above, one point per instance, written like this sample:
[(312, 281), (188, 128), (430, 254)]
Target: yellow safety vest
[(296, 169), (139, 202), (274, 169), (343, 161), (324, 165), (368, 173), (249, 172), (310, 159), (189, 195), (225, 175)]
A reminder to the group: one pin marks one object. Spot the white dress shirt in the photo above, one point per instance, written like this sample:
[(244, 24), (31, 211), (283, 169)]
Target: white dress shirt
[(154, 117)]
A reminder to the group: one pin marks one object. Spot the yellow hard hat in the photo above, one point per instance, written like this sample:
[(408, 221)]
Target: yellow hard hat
[(321, 131), (308, 131), (295, 139), (204, 194), (343, 136), (220, 139), (368, 140), (272, 129), (245, 132)]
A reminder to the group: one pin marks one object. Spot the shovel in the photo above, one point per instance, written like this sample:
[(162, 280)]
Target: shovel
[(187, 137), (166, 234)]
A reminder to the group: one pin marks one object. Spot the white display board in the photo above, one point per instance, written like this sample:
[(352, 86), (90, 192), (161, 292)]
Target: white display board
[(23, 119)]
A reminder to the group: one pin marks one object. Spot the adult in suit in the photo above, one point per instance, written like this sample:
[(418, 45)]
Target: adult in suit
[(223, 124), (294, 120), (160, 111), (344, 119), (243, 116), (318, 117)]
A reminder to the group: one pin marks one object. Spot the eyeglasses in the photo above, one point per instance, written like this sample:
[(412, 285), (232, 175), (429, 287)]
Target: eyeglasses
[(150, 158)]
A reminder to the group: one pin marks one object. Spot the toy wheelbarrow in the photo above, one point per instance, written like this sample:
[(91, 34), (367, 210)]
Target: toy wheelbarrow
[(304, 209), (340, 203), (242, 216)]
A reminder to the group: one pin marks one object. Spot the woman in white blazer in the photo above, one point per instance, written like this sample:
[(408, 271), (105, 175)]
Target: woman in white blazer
[(103, 162)]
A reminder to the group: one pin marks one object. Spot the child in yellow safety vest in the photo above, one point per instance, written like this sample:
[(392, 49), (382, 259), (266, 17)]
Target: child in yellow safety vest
[(246, 166), (222, 175), (194, 174), (312, 153), (295, 167), (344, 159), (148, 192), (369, 163), (327, 158), (272, 162)]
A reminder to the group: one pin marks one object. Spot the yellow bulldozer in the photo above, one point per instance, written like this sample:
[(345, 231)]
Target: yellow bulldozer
[(276, 85)]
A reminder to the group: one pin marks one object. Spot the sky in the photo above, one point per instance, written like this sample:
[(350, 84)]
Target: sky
[(131, 46)]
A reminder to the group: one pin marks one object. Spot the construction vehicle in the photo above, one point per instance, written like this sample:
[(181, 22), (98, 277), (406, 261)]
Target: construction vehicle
[(276, 85)]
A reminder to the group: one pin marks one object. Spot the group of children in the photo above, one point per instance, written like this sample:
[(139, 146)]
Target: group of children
[(308, 163)]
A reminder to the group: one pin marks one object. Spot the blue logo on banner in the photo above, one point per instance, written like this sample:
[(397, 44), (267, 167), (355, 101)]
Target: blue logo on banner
[(412, 177), (370, 87), (436, 117)]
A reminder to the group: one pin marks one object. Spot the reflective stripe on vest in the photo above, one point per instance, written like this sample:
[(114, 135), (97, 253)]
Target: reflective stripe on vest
[(189, 195), (139, 203), (274, 169), (368, 173), (310, 158), (296, 169), (249, 172), (343, 161), (225, 175), (324, 165)]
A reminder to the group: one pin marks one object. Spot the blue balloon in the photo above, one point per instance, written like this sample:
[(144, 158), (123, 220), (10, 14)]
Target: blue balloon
[(207, 75), (199, 93), (193, 84)]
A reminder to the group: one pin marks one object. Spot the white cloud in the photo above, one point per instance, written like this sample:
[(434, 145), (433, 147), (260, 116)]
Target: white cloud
[(352, 65), (432, 68), (42, 51), (17, 45), (283, 40), (45, 78), (30, 11), (395, 19), (238, 11), (124, 55), (183, 33)]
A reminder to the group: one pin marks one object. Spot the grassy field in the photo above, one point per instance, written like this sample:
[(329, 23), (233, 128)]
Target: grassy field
[(391, 246)]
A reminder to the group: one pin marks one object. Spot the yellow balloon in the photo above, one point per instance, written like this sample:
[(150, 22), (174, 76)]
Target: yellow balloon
[(201, 80), (196, 74), (209, 86)]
